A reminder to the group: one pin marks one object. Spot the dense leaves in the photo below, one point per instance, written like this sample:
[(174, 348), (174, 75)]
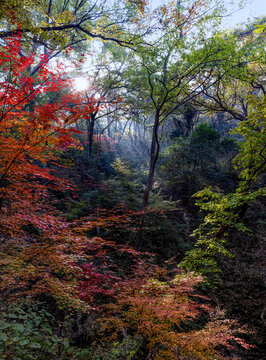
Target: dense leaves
[(161, 312), (103, 191)]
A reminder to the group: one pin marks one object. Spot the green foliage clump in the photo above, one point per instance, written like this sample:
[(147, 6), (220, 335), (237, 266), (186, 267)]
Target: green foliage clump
[(200, 160), (224, 212), (205, 134), (124, 187), (26, 333), (117, 350)]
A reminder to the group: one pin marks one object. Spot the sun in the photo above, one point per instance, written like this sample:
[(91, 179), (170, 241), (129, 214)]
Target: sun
[(81, 83)]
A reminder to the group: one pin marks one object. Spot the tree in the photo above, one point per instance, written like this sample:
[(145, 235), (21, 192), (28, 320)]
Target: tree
[(35, 238), (57, 24), (242, 75), (105, 102), (195, 162), (225, 212), (161, 314), (170, 75)]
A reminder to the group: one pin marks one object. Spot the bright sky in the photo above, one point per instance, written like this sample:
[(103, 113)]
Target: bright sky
[(254, 8)]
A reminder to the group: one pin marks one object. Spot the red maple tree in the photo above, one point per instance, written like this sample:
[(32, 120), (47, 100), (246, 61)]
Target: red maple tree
[(39, 251)]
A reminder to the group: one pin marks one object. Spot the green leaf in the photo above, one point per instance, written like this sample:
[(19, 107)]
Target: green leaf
[(18, 327), (4, 326), (24, 342), (12, 316), (66, 343), (3, 337), (45, 327)]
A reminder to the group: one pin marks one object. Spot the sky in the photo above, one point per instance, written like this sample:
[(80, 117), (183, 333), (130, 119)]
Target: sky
[(254, 8)]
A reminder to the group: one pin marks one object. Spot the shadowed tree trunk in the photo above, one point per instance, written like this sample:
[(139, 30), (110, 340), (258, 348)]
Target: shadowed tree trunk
[(155, 148), (90, 130)]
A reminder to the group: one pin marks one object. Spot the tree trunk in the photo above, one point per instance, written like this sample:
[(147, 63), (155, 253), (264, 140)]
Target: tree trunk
[(155, 148), (90, 130)]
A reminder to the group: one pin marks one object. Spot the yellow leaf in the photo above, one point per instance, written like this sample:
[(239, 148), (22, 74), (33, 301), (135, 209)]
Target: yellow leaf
[(260, 28)]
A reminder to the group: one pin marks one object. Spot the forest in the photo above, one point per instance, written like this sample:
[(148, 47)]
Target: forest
[(132, 181)]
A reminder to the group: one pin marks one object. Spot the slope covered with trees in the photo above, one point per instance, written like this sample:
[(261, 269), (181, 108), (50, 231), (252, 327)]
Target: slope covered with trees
[(131, 213)]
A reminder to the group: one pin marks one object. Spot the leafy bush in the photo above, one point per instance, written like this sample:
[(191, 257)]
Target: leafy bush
[(26, 333)]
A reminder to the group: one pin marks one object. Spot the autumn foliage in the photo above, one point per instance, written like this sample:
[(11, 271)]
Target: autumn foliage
[(35, 239), (41, 254), (167, 317)]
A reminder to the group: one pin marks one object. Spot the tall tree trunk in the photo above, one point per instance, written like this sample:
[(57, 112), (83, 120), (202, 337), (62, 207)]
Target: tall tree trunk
[(155, 148), (109, 121), (90, 130)]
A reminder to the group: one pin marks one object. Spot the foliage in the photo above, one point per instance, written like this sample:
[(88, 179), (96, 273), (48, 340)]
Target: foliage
[(192, 163), (26, 332), (225, 212), (124, 186), (117, 350), (57, 25), (68, 209), (40, 252), (160, 311)]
